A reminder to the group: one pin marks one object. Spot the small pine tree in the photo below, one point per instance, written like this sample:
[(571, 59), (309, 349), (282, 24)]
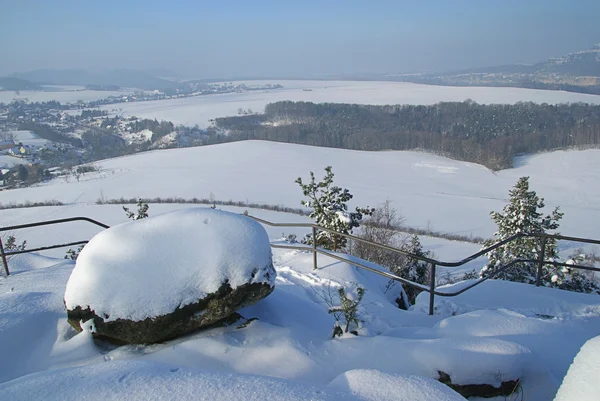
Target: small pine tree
[(142, 211), (11, 244), (330, 210), (347, 312), (73, 254), (522, 215)]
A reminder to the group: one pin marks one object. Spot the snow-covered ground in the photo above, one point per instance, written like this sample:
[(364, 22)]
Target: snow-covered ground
[(28, 138), (199, 110), (446, 195), (31, 142), (496, 332), (10, 161), (581, 382), (63, 94), (499, 331)]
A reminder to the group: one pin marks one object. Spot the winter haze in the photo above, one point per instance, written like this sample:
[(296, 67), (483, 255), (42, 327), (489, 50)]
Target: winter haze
[(233, 39)]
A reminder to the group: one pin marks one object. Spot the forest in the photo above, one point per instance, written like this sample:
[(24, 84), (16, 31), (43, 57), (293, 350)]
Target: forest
[(490, 135)]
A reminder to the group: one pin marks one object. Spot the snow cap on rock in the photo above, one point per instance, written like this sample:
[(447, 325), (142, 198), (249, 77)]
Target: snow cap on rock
[(150, 267)]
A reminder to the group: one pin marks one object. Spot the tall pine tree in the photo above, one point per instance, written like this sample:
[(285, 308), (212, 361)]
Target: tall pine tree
[(413, 269), (329, 204), (522, 215)]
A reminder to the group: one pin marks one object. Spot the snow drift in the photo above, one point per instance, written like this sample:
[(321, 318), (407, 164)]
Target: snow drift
[(581, 382)]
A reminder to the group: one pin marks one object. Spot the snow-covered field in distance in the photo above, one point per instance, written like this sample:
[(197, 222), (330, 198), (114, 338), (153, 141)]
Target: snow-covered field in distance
[(199, 110), (428, 190), (10, 161), (27, 138), (61, 93)]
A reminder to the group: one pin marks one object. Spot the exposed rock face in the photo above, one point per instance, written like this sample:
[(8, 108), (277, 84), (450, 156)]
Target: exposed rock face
[(214, 308), (506, 388)]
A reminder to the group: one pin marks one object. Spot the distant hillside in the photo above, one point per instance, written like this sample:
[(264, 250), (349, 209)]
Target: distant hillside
[(491, 135), (120, 78), (17, 84), (574, 72), (583, 63)]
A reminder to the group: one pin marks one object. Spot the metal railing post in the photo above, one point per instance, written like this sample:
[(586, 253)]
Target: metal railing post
[(538, 277), (314, 245), (431, 289), (4, 262)]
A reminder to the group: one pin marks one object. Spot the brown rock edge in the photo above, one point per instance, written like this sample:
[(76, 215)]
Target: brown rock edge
[(202, 314), (506, 388)]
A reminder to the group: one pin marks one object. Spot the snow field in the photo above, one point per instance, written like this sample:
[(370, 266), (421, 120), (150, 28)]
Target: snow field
[(417, 184), (63, 94), (29, 138), (199, 110)]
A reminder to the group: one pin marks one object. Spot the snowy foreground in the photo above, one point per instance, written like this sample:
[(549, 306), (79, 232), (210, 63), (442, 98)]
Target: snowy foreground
[(496, 332)]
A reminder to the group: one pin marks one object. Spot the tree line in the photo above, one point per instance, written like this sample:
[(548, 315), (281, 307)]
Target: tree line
[(486, 134)]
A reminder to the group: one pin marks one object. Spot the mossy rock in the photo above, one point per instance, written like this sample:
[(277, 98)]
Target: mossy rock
[(205, 313)]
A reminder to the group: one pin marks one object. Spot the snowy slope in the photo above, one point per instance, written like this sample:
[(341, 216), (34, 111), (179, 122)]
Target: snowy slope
[(444, 194), (289, 348), (29, 138), (199, 110)]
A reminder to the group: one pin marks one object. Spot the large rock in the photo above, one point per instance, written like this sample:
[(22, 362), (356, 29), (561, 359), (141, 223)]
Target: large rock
[(154, 279), (505, 389)]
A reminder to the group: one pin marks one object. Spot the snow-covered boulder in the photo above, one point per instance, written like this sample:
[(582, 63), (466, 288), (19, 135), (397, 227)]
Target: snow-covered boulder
[(375, 385), (581, 382), (157, 278)]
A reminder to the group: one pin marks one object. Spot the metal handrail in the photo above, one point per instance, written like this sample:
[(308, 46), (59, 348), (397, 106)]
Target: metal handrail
[(433, 262), (317, 250), (44, 248)]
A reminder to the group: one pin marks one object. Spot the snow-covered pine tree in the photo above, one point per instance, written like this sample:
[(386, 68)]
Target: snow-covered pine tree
[(330, 210), (11, 244), (347, 311), (577, 280), (522, 215), (413, 269), (73, 254)]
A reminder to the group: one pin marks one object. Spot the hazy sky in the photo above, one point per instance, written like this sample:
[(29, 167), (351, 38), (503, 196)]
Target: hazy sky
[(282, 38)]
